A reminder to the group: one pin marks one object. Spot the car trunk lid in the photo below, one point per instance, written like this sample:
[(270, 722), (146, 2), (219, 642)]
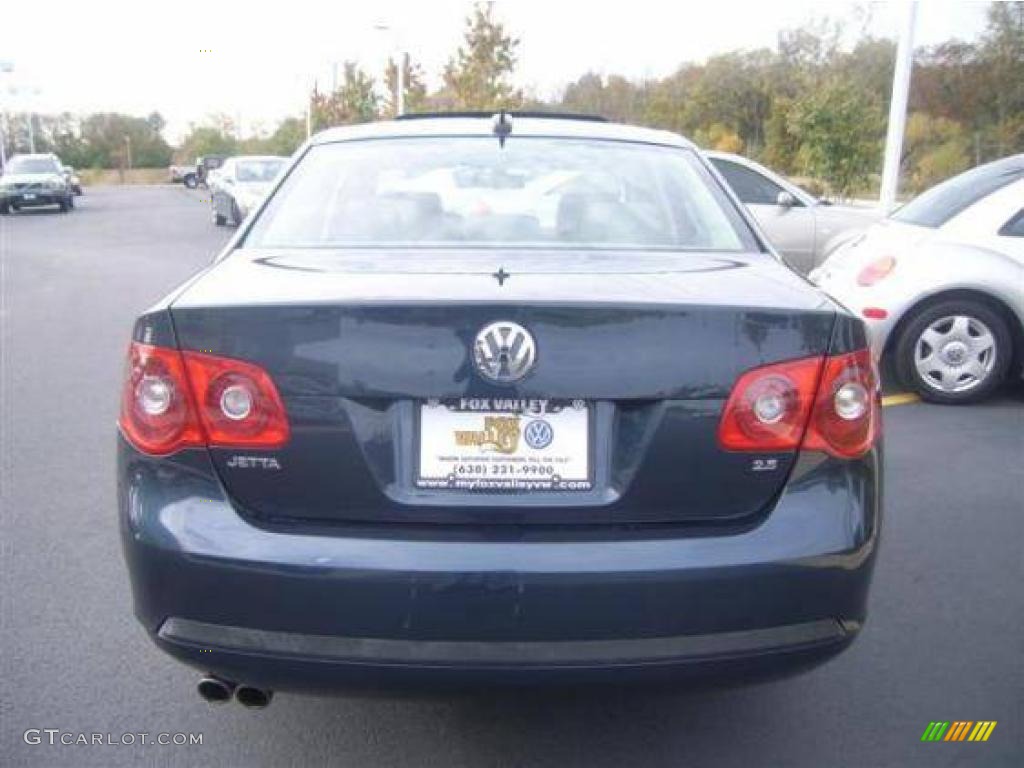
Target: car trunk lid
[(359, 342)]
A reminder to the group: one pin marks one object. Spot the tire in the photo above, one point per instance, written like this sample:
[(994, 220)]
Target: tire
[(236, 215), (190, 181), (219, 220), (4, 208), (954, 352)]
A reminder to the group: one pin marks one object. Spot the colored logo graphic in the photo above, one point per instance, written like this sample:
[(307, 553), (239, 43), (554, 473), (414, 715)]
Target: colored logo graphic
[(959, 730), (538, 434), (500, 433)]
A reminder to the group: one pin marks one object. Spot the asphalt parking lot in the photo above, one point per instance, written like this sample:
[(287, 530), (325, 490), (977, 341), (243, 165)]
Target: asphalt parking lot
[(943, 641)]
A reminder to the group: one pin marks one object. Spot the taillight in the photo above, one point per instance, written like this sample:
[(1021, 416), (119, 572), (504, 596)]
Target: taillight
[(847, 413), (238, 403), (174, 399), (769, 406), (875, 271), (828, 404), (157, 414)]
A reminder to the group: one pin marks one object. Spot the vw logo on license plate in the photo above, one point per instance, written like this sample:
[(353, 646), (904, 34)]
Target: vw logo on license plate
[(538, 434)]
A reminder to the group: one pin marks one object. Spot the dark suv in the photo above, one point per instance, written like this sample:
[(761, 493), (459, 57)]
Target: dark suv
[(30, 181), (497, 399)]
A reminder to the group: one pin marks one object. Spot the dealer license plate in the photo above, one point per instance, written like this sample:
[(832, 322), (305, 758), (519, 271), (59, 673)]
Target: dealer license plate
[(501, 444)]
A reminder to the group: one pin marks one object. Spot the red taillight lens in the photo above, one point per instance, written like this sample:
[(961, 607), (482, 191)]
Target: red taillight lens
[(827, 404), (175, 399), (157, 414), (239, 406), (875, 271), (769, 406), (847, 417)]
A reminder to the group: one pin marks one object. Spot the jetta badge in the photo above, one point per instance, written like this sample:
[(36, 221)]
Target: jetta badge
[(504, 351)]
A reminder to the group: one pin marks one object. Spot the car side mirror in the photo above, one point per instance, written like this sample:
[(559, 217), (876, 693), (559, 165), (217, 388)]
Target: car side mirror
[(785, 200)]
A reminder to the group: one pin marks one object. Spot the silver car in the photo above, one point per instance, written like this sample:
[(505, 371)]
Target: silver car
[(239, 185), (940, 283), (802, 228)]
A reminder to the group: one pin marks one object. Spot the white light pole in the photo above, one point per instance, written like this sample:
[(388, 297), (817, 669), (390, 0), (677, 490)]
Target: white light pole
[(898, 110), (400, 79)]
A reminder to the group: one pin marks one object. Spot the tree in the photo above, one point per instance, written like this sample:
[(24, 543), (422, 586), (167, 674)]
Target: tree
[(719, 138), (839, 126), (1003, 51), (934, 148), (287, 138), (733, 93), (615, 98), (415, 87), (355, 100), (107, 136), (156, 122), (781, 142), (206, 140), (477, 76), (62, 133)]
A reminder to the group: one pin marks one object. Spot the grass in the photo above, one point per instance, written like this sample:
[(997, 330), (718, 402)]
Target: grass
[(93, 177)]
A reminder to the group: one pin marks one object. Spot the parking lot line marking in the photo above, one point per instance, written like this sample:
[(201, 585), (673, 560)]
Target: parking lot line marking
[(903, 398)]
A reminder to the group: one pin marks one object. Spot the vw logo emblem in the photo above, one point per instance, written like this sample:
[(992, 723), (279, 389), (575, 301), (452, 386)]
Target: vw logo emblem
[(504, 351), (538, 434)]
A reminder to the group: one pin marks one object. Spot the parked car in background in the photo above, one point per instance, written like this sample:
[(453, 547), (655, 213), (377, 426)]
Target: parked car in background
[(177, 174), (803, 228), (940, 283), (204, 166), (239, 185), (382, 443), (195, 175), (30, 181), (73, 181)]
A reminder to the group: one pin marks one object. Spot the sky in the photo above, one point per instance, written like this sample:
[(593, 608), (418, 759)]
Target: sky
[(256, 62)]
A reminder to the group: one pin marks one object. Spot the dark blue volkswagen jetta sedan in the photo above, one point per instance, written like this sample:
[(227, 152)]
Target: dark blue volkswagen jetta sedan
[(497, 399)]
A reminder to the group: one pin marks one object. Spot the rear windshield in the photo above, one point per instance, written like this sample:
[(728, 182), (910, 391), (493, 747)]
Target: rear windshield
[(941, 203), (32, 165), (533, 192)]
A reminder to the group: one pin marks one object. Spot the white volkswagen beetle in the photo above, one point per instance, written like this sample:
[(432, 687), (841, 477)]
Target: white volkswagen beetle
[(940, 283)]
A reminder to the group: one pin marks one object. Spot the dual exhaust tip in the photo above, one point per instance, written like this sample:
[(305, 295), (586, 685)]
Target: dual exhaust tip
[(217, 691)]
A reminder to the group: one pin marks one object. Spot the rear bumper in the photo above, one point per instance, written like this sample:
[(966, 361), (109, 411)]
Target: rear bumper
[(287, 660), (37, 199), (308, 610)]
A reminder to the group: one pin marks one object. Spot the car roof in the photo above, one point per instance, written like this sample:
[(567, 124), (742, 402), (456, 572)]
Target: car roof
[(1010, 164), (236, 158), (462, 125)]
